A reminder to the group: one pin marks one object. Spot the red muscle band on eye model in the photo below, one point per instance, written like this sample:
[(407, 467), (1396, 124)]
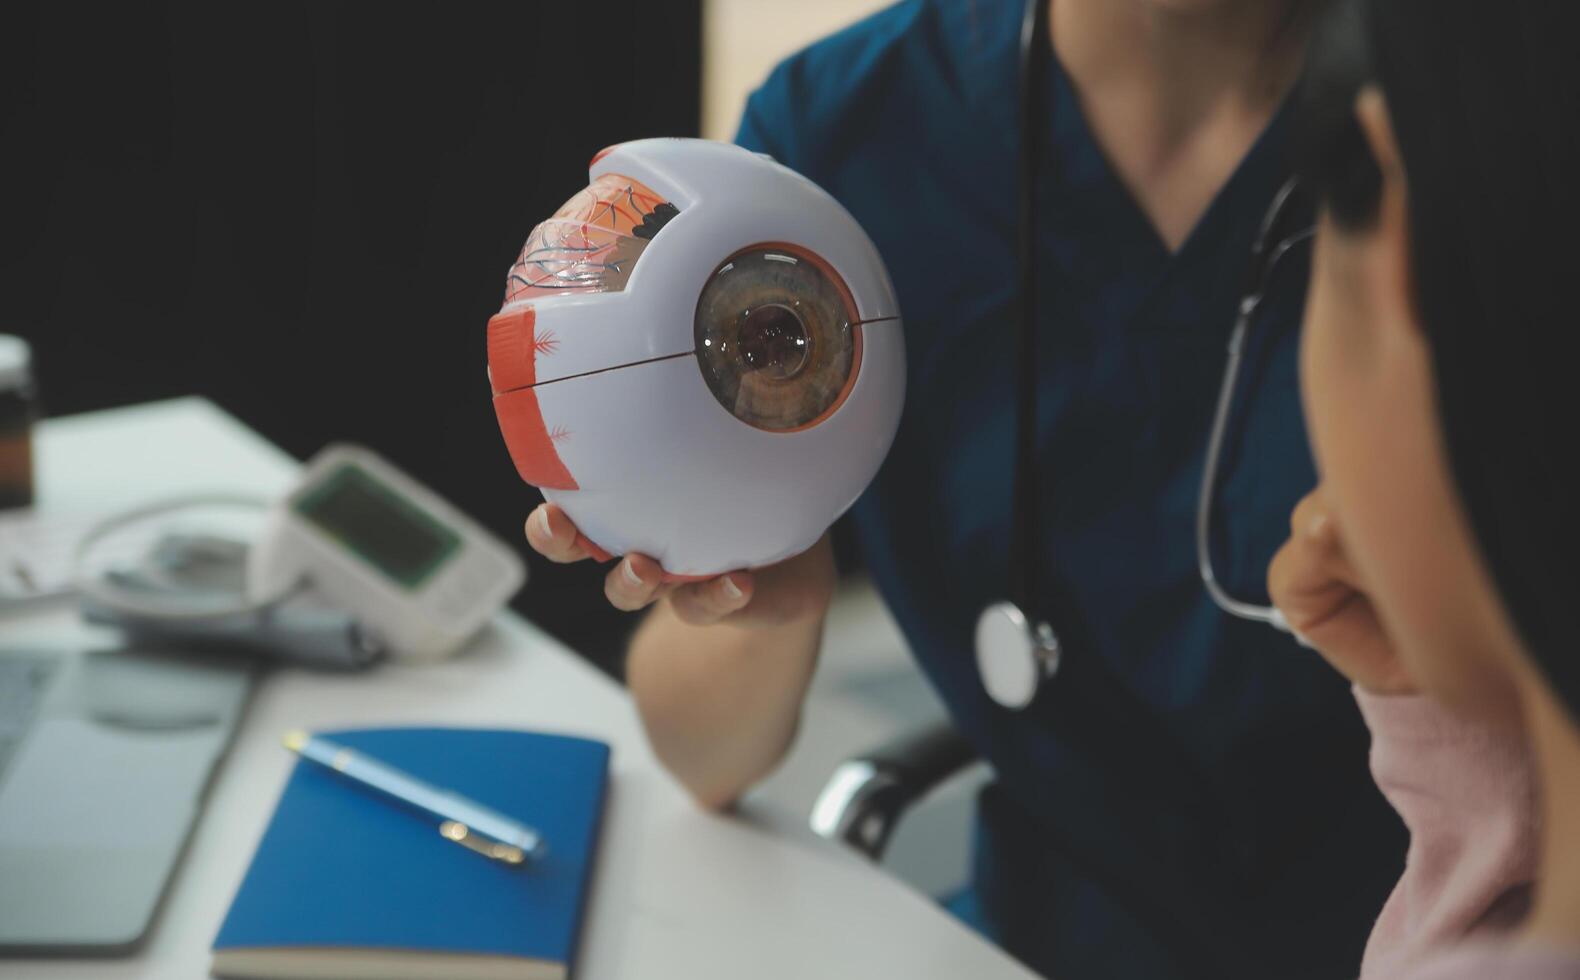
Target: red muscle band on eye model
[(530, 442), (512, 349)]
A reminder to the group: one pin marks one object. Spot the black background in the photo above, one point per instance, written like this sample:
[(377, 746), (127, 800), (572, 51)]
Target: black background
[(305, 213)]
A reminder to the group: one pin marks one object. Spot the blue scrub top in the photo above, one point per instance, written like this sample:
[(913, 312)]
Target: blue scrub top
[(1190, 796)]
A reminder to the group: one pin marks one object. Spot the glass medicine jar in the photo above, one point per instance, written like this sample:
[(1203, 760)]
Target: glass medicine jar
[(18, 412)]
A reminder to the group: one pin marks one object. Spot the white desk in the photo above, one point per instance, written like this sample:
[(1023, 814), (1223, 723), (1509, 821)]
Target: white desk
[(677, 892)]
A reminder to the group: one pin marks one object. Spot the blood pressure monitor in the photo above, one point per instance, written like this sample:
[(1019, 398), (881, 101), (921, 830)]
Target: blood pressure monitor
[(411, 569)]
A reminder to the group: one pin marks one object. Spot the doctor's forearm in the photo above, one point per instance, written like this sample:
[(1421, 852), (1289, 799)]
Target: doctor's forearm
[(720, 703)]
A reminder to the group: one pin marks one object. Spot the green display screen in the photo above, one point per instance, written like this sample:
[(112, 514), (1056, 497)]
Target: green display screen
[(380, 526)]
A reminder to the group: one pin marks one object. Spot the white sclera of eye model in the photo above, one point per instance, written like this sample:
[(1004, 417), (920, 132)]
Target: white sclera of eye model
[(600, 390)]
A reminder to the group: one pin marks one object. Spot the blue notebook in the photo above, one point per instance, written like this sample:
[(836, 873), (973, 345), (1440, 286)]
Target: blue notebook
[(346, 884)]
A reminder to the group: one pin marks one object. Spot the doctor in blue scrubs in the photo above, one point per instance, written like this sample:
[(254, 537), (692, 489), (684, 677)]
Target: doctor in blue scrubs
[(1189, 795)]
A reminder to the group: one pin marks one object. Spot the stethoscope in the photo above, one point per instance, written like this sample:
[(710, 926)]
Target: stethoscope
[(1017, 650)]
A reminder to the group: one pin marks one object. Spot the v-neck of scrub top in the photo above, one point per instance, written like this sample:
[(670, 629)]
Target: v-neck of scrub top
[(1100, 238), (1180, 756)]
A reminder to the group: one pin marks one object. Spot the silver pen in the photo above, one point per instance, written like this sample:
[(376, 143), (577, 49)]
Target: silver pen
[(469, 824)]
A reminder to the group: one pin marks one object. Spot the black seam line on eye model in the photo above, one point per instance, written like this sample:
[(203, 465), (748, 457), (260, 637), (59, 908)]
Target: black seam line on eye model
[(652, 360), (613, 367)]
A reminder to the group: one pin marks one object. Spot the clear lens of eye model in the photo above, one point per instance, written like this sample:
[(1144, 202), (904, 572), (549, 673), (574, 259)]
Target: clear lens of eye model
[(777, 338)]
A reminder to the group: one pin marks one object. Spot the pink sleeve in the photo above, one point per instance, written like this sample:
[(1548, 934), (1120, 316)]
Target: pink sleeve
[(1468, 796)]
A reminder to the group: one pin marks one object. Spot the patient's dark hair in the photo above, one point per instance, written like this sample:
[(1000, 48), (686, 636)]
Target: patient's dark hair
[(1485, 103)]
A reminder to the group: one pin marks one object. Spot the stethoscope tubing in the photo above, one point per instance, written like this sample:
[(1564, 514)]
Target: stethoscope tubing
[(1015, 689), (1250, 305)]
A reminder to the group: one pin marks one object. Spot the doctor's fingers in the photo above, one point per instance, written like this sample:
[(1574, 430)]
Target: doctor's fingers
[(706, 603), (553, 535), (634, 582)]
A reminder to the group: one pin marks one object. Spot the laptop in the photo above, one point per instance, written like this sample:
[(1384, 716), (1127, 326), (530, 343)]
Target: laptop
[(105, 759)]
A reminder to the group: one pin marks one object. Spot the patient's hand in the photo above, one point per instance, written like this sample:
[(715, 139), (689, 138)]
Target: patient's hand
[(1319, 592)]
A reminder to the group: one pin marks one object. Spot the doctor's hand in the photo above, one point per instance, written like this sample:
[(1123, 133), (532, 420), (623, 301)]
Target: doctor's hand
[(1314, 585), (797, 589)]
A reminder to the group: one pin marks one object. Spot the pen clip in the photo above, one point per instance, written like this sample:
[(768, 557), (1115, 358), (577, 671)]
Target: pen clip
[(463, 835)]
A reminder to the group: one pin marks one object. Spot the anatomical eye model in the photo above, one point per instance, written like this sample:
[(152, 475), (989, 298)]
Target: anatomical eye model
[(699, 358), (591, 244)]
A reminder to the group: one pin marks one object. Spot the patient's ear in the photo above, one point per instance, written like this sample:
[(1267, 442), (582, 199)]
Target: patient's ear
[(1388, 262)]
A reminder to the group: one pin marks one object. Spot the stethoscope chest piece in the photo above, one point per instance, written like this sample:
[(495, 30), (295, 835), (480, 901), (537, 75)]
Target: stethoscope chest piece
[(1014, 655)]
